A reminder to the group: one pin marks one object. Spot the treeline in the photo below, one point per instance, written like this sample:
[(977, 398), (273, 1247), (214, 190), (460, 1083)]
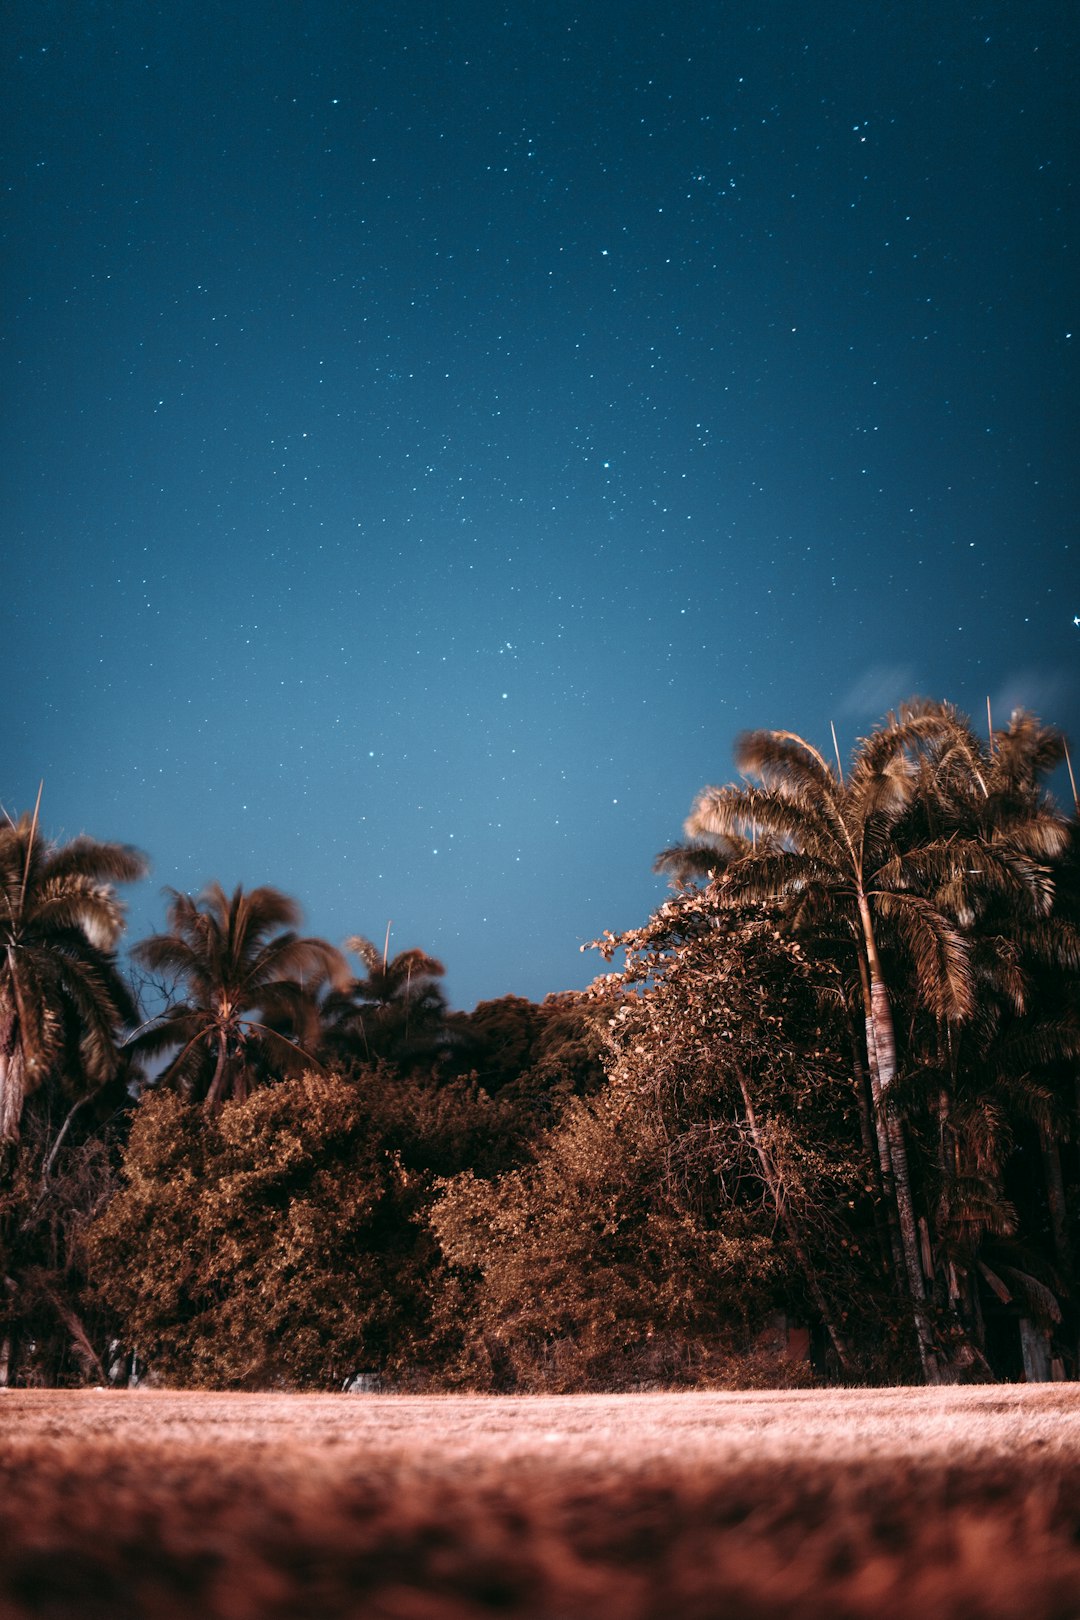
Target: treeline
[(829, 1100)]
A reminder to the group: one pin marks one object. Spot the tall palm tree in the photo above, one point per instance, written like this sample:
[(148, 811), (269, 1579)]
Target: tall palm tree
[(248, 977), (62, 1000), (995, 1077), (840, 852)]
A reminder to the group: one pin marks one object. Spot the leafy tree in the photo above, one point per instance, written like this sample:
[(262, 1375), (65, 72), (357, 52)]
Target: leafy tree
[(281, 1240), (663, 1216), (882, 858), (533, 1056), (825, 845), (62, 999), (577, 1273), (248, 978), (498, 1040), (502, 1040), (241, 1249), (987, 1093), (736, 1038), (57, 1177)]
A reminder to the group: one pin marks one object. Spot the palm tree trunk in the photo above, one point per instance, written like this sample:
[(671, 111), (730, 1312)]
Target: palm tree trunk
[(214, 1095), (862, 1100), (884, 1158), (881, 1049), (774, 1183), (1055, 1200), (12, 1084)]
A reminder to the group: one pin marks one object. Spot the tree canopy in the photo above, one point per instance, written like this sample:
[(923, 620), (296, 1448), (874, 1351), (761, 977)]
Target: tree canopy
[(822, 1122)]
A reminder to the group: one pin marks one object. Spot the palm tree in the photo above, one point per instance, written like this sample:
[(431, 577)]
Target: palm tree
[(248, 977), (62, 1000), (396, 1011), (840, 852), (995, 1076)]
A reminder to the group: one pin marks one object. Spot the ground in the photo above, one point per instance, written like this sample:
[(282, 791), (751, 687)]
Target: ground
[(856, 1503)]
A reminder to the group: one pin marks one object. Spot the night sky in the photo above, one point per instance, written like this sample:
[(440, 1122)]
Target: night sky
[(431, 432)]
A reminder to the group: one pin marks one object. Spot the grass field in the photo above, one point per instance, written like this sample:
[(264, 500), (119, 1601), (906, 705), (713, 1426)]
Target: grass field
[(876, 1503)]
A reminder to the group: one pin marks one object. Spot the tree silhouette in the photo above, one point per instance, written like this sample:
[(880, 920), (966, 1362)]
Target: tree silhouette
[(850, 855), (987, 1086), (62, 1000), (249, 977), (395, 1011)]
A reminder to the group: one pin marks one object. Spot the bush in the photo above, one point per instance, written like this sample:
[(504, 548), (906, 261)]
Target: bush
[(268, 1245), (583, 1271)]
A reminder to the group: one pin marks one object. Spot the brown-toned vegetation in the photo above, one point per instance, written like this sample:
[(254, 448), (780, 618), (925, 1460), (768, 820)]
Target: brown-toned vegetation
[(835, 1081), (939, 1504), (249, 985), (61, 997), (276, 1243)]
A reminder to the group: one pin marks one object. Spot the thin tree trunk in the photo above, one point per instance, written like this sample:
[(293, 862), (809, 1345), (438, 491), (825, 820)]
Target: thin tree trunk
[(773, 1182), (84, 1351), (213, 1096), (884, 1031), (862, 1103), (1055, 1199), (975, 1310), (65, 1127), (968, 1339), (881, 1046), (11, 1077), (884, 1157), (883, 1209), (909, 1236)]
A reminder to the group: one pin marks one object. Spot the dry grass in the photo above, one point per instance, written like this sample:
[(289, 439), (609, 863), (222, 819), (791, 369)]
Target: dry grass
[(882, 1503)]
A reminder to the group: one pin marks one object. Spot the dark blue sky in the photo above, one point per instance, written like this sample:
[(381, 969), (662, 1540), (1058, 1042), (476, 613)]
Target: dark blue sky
[(432, 431)]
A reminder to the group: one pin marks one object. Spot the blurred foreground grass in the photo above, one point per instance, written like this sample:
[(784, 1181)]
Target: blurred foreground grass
[(875, 1503)]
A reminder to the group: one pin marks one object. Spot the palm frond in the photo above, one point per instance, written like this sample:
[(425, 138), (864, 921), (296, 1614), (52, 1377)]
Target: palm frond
[(368, 952), (1040, 1300), (313, 961), (753, 815), (85, 857), (770, 876), (416, 964), (93, 909), (787, 764), (170, 953), (287, 1054), (976, 1202), (938, 952), (701, 858), (1036, 1044), (176, 1026), (1026, 752)]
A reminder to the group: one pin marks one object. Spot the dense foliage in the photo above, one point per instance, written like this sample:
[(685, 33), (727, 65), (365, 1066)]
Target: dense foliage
[(711, 1180), (266, 1245), (822, 1122)]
